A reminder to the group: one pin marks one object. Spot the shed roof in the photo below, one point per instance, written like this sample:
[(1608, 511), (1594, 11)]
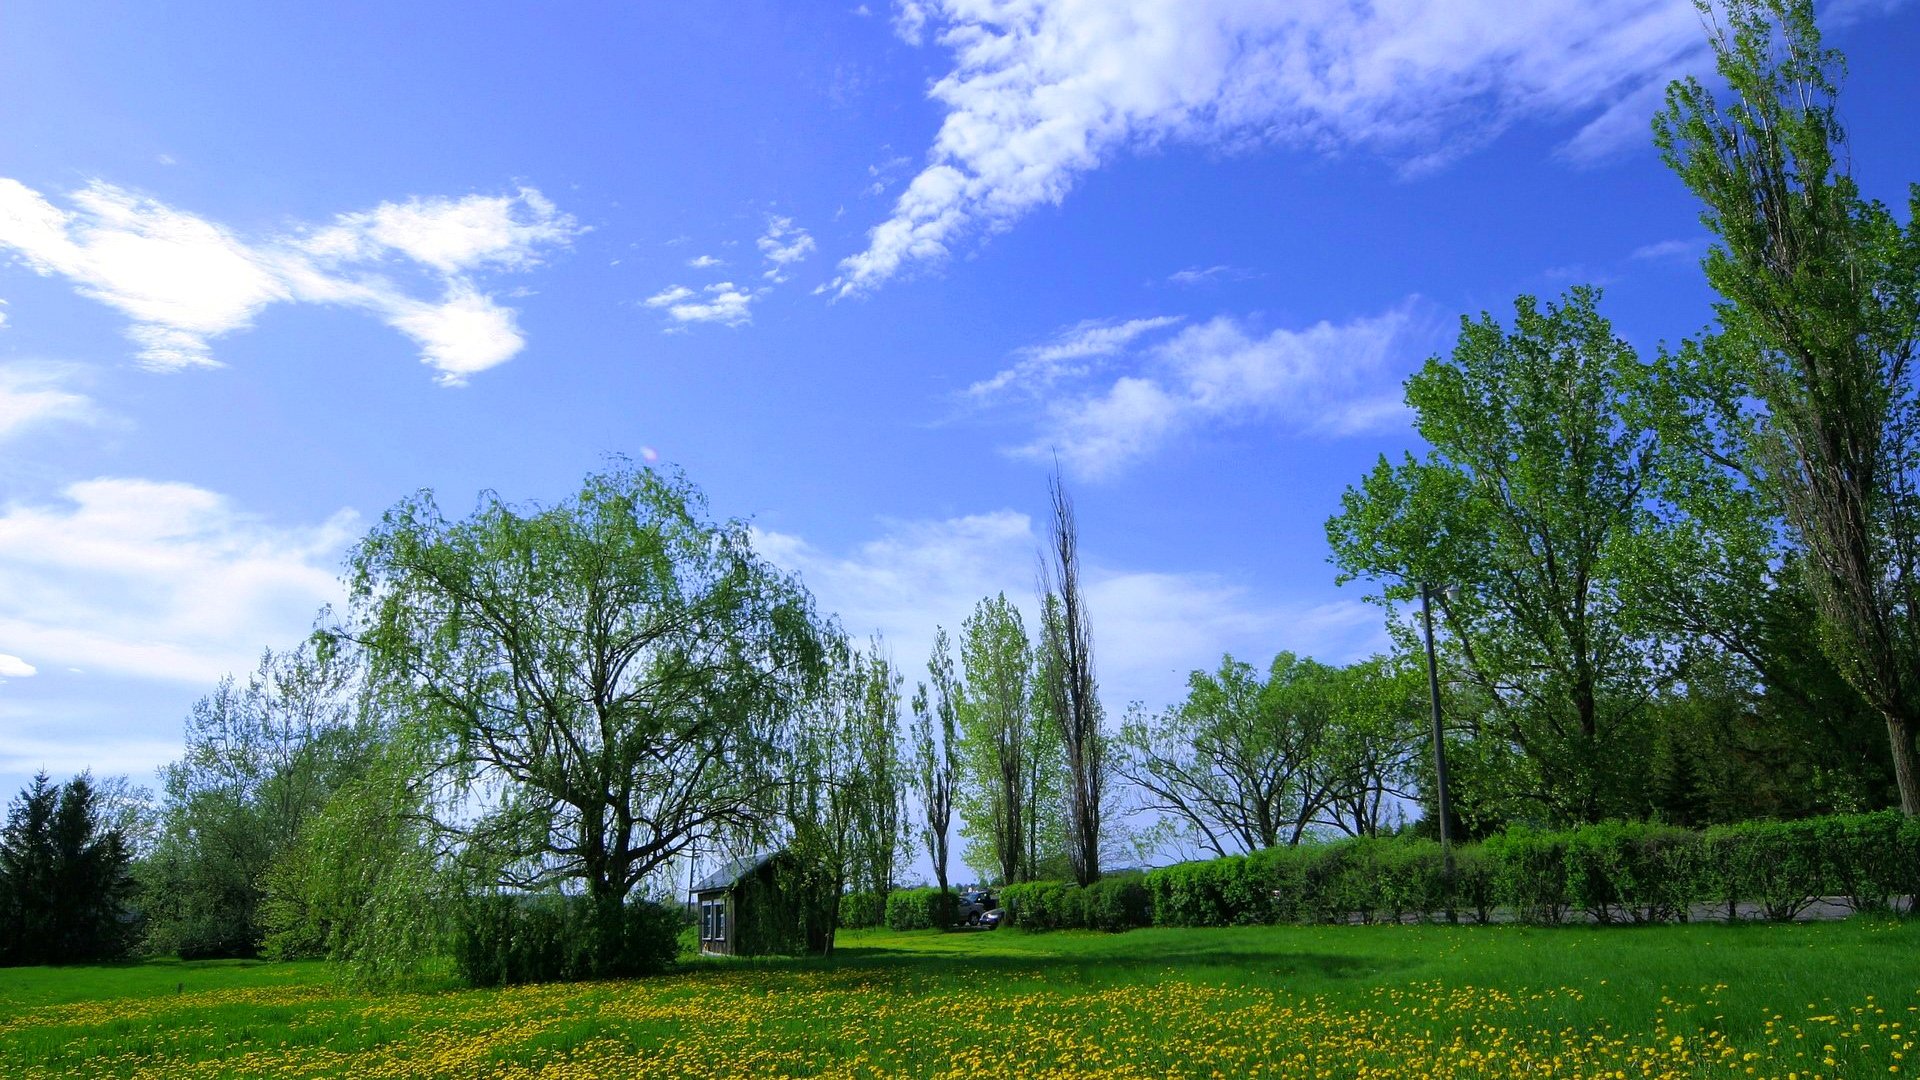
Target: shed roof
[(730, 874)]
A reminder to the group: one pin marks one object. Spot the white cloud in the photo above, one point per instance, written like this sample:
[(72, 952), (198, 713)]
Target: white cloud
[(465, 333), (1150, 627), (1042, 91), (159, 580), (1199, 275), (183, 280), (724, 303), (705, 262), (1325, 379), (1041, 366), (452, 235), (1669, 249), (12, 667), (32, 394), (782, 245)]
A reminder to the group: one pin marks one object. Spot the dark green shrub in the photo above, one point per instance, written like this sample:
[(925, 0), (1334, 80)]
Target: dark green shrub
[(1117, 903), (1639, 871), (502, 939), (1530, 874), (1471, 892), (1866, 858), (1775, 864), (921, 909), (862, 911)]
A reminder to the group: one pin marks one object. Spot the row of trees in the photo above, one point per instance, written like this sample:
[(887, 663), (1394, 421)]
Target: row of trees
[(1706, 560)]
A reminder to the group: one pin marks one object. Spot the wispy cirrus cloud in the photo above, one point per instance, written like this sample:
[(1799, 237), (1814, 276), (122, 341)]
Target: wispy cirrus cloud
[(1150, 626), (33, 394), (183, 280), (783, 245), (159, 580), (1328, 379), (1070, 353), (1043, 91)]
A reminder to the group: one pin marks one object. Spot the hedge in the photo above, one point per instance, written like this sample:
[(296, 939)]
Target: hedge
[(1613, 872), (862, 911), (505, 938), (1113, 903), (921, 909)]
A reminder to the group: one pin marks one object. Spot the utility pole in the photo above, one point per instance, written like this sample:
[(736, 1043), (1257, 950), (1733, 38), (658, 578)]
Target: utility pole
[(1439, 742)]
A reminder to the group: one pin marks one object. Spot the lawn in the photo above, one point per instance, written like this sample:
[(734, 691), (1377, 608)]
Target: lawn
[(1811, 1000)]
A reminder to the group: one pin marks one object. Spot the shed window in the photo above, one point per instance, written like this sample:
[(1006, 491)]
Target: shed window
[(713, 920)]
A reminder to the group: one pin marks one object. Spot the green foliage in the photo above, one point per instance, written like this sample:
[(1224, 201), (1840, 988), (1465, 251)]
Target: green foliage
[(262, 758), (362, 886), (1643, 872), (1533, 499), (503, 939), (931, 908), (65, 887), (863, 910), (588, 685), (1805, 394), (1114, 903)]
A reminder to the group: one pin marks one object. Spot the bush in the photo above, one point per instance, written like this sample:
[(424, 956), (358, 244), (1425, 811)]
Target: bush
[(1530, 874), (921, 909), (1037, 905), (1776, 864), (503, 939), (862, 911), (1117, 903), (1646, 872)]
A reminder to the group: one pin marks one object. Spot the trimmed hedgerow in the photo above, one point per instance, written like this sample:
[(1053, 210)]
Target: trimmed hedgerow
[(921, 909), (1115, 903)]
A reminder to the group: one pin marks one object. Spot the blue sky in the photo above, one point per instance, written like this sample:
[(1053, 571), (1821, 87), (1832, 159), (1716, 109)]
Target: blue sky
[(860, 270)]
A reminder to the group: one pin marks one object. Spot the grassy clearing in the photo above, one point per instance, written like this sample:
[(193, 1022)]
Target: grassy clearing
[(1835, 999)]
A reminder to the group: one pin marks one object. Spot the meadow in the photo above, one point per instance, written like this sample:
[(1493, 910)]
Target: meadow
[(1715, 1000)]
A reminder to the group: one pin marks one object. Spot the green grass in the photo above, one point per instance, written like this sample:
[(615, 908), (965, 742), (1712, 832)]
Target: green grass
[(1334, 1001)]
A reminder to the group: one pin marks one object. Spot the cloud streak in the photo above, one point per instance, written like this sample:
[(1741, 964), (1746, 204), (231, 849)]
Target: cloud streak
[(158, 580), (35, 394), (183, 281), (1328, 379), (1043, 91), (1150, 626)]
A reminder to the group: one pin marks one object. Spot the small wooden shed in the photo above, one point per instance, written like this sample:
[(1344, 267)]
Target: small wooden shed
[(748, 908)]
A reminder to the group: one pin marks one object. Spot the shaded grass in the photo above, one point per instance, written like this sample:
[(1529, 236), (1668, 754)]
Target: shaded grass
[(1336, 1000)]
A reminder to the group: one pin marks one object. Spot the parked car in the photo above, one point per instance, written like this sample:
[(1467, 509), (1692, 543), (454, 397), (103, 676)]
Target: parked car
[(975, 906)]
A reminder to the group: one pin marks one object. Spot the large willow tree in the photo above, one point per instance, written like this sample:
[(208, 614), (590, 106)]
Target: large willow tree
[(601, 680)]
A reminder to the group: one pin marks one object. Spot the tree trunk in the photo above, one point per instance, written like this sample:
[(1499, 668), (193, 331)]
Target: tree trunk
[(1906, 764)]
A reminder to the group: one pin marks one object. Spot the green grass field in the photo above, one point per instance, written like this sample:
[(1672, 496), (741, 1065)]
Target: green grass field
[(1811, 1000)]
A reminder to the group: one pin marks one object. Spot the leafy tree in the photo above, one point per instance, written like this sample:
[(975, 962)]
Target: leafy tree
[(936, 751), (996, 739), (261, 759), (1807, 388), (1533, 498), (65, 883), (1366, 763), (1234, 765), (596, 683), (838, 804), (366, 884), (879, 812), (1068, 692)]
